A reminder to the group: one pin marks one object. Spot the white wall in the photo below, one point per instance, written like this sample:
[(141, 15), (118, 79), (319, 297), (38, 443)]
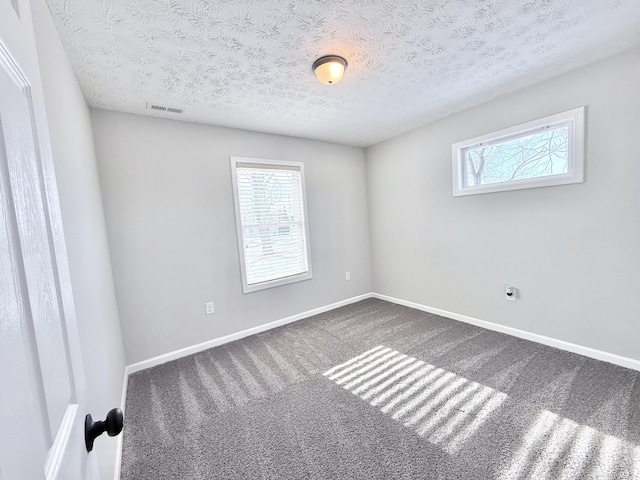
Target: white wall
[(170, 216), (84, 227), (573, 251)]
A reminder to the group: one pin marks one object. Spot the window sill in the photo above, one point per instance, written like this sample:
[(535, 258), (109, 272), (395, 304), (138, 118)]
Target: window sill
[(276, 283)]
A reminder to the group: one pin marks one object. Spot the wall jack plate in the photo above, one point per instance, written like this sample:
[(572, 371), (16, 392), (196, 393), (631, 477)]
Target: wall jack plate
[(510, 293)]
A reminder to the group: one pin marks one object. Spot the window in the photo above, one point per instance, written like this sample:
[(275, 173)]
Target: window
[(545, 152), (271, 221)]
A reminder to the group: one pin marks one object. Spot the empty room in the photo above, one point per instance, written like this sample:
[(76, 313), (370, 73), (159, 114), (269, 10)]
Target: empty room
[(319, 239)]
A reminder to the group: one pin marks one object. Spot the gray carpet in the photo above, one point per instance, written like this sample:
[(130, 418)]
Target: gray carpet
[(375, 390)]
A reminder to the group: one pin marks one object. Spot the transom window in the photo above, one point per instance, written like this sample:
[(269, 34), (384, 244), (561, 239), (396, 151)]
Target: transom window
[(548, 151), (271, 222)]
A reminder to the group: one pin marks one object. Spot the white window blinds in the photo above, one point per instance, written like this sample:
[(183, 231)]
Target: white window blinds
[(271, 217)]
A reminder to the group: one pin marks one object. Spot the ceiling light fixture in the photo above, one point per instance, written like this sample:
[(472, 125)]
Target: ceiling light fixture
[(329, 69)]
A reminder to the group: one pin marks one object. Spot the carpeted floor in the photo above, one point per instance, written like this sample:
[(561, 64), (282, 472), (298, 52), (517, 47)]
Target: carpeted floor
[(375, 390)]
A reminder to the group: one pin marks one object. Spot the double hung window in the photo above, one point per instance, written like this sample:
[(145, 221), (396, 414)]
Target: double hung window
[(271, 221)]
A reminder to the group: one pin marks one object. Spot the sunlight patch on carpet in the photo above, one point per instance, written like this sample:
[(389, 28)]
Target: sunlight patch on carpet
[(445, 408), (448, 410), (558, 448)]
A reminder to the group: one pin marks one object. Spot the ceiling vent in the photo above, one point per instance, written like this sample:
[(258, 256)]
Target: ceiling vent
[(163, 108)]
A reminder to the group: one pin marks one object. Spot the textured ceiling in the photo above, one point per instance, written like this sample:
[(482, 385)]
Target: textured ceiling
[(247, 64)]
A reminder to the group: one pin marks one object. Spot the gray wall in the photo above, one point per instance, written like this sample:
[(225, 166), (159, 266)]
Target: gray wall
[(84, 228), (571, 250), (170, 216)]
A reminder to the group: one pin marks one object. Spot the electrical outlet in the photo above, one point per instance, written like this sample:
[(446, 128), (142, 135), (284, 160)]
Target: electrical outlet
[(208, 308), (347, 276)]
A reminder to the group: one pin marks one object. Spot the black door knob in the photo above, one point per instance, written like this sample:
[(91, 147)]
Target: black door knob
[(112, 425)]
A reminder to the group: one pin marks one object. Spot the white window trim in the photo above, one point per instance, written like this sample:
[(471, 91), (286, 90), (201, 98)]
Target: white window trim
[(575, 161), (246, 288)]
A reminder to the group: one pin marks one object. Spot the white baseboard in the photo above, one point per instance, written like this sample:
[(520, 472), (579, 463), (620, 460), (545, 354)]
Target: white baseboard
[(183, 352), (534, 337)]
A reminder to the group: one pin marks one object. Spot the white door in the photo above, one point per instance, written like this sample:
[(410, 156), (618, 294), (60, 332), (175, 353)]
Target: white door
[(42, 390)]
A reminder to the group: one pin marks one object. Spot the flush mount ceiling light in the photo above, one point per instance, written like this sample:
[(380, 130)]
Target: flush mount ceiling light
[(329, 69)]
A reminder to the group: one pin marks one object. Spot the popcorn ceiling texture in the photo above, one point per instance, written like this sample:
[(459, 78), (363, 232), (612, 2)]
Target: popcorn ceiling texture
[(247, 64)]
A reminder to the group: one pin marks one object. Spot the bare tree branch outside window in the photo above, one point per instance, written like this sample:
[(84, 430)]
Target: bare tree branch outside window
[(539, 154)]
